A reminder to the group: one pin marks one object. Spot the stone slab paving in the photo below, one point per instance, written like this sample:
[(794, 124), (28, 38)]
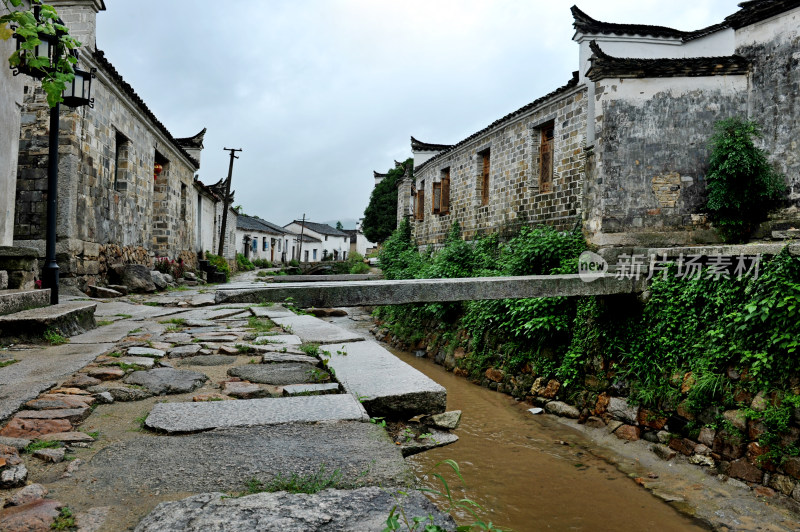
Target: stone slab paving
[(275, 311), (167, 380), (105, 334), (283, 339), (208, 360), (184, 351), (282, 358), (146, 352), (213, 313), (227, 459), (39, 370), (195, 417), (110, 309), (311, 389), (145, 362), (280, 374), (387, 386), (311, 329), (364, 509)]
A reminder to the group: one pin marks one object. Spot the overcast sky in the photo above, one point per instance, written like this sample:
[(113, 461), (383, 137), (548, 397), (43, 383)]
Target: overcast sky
[(319, 93)]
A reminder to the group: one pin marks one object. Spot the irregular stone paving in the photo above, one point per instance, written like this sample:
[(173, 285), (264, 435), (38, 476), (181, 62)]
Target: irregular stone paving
[(264, 429), (195, 417), (280, 374), (330, 510)]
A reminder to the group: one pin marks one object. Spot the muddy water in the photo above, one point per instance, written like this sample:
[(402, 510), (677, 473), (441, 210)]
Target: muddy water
[(532, 472)]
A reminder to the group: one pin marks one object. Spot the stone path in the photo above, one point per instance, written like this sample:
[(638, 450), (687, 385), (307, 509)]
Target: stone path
[(196, 417), (385, 385), (198, 371)]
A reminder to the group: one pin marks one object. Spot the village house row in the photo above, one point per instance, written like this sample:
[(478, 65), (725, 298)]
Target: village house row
[(620, 151), (128, 189)]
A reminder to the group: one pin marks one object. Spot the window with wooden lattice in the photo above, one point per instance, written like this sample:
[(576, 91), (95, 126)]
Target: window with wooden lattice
[(484, 177), (546, 159), (441, 194)]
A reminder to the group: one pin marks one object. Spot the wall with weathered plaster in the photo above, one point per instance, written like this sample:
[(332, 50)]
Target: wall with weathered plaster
[(774, 100), (10, 103), (514, 197), (651, 157)]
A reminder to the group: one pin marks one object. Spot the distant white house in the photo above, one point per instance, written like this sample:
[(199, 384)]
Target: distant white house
[(332, 242), (358, 241), (260, 239)]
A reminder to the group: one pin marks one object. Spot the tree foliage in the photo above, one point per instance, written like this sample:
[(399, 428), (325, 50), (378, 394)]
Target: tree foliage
[(742, 186), (380, 216), (29, 28)]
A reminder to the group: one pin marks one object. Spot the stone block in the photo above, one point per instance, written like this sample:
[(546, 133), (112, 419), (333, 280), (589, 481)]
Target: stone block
[(3, 279)]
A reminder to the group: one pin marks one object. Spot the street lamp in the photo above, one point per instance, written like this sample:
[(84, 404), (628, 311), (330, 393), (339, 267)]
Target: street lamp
[(76, 93)]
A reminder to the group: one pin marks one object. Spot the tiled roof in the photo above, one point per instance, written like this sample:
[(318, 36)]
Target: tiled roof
[(105, 64), (757, 10), (587, 25), (254, 223), (323, 229), (539, 101), (207, 189), (378, 174), (606, 66), (417, 145), (193, 142)]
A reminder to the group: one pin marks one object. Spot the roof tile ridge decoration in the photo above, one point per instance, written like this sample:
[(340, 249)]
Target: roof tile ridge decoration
[(571, 84), (605, 66), (377, 174), (588, 25), (195, 141), (100, 57), (206, 188), (754, 11), (418, 145)]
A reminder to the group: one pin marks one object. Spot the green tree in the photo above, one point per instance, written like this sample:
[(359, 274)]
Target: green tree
[(339, 225), (742, 186), (380, 216), (29, 29)]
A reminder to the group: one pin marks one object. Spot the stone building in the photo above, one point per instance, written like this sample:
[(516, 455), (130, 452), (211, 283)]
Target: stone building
[(621, 149), (127, 189)]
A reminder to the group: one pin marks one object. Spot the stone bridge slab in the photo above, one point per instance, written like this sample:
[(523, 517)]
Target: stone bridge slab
[(311, 329), (196, 417), (386, 386), (358, 293)]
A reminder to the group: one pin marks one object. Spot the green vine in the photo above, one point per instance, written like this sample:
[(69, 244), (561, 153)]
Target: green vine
[(27, 27)]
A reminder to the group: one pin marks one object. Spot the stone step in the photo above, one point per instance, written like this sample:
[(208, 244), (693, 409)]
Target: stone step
[(68, 319), (311, 329), (12, 301), (196, 417), (385, 385)]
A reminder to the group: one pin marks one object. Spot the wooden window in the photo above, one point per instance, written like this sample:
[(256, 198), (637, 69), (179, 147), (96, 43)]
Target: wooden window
[(546, 160), (444, 206), (420, 215), (485, 156), (437, 198)]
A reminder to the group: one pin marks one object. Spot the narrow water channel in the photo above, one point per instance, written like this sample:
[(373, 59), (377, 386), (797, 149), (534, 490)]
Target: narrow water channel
[(531, 472)]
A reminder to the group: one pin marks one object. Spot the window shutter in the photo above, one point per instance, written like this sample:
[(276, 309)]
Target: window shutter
[(485, 180), (546, 161), (437, 198), (445, 208)]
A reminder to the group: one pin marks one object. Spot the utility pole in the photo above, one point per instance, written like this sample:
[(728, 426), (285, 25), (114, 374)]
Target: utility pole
[(225, 200), (300, 247)]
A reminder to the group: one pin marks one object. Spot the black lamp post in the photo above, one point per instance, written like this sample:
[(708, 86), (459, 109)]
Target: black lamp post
[(76, 94)]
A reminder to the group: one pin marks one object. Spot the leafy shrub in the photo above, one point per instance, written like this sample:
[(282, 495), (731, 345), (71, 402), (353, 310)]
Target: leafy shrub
[(356, 264), (219, 263), (175, 268), (262, 263), (742, 185), (295, 263), (243, 263)]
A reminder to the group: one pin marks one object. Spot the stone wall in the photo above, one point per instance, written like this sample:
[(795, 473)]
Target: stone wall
[(651, 157), (10, 100), (514, 198), (107, 191)]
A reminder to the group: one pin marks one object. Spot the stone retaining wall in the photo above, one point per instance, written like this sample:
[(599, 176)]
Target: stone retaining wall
[(731, 448)]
